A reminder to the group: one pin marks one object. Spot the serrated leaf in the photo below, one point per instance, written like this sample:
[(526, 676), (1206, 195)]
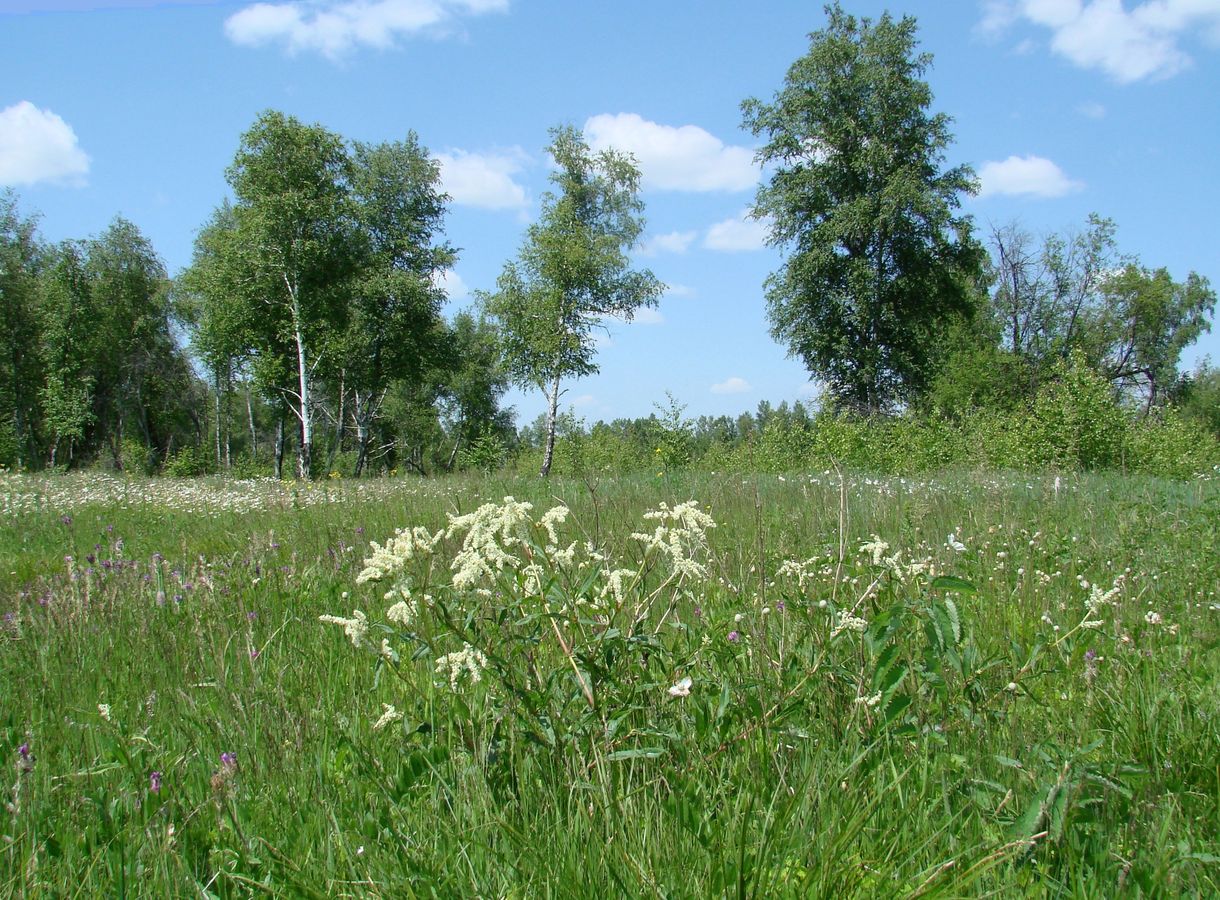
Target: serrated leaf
[(954, 620)]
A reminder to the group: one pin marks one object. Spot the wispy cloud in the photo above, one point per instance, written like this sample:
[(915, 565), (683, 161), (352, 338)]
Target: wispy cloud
[(682, 158), (1025, 176), (36, 145), (733, 385), (334, 28), (1127, 44)]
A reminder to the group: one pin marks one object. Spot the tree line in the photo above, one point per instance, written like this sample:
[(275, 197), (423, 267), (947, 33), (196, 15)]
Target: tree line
[(310, 316)]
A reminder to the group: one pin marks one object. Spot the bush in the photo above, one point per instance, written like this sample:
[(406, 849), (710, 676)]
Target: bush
[(188, 462)]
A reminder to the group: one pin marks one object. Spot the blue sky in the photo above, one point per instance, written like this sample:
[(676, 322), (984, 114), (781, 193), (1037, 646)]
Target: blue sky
[(1064, 107)]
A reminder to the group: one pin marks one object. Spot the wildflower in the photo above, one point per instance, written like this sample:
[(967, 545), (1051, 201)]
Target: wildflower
[(953, 543), (734, 637), (556, 515), (681, 688), (876, 547), (356, 628), (228, 762), (154, 782), (468, 660), (1153, 618), (389, 716), (870, 701), (848, 622), (24, 750), (103, 710), (1011, 687), (402, 613)]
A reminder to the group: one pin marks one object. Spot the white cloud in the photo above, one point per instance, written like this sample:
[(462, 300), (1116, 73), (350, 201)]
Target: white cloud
[(732, 385), (335, 27), (737, 234), (1128, 45), (1092, 110), (646, 315), (679, 290), (452, 284), (37, 145), (1028, 176), (484, 180), (685, 158), (673, 242), (582, 400)]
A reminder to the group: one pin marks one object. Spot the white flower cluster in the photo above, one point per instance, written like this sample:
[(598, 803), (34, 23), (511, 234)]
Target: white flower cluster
[(681, 534), (404, 546), (848, 622), (800, 571), (356, 628), (389, 716), (468, 660), (490, 530), (876, 548)]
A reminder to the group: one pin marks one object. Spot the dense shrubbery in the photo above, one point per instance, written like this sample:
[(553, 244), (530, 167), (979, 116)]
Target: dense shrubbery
[(1075, 423)]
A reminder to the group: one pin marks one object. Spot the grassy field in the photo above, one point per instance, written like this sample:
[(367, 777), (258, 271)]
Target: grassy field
[(965, 686)]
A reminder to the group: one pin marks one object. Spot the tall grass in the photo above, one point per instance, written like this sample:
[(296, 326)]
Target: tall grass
[(1006, 749)]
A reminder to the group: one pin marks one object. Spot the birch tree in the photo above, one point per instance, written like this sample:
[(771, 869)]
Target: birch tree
[(294, 250), (572, 272)]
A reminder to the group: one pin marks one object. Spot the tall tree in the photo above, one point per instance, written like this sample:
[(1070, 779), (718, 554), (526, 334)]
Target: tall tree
[(877, 261), (395, 326), (20, 365), (1150, 319), (295, 251), (572, 271), (68, 351), (139, 368)]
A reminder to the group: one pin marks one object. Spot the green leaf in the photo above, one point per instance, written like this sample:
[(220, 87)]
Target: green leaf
[(952, 583), (637, 753)]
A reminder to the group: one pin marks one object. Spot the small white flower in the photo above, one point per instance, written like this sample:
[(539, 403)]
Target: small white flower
[(103, 710), (389, 716), (1153, 618), (681, 689)]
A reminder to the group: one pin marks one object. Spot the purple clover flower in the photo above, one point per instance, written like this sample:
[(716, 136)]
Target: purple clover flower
[(154, 782), (734, 637)]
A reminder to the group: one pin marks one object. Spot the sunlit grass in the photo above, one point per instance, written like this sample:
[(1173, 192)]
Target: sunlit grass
[(1058, 759)]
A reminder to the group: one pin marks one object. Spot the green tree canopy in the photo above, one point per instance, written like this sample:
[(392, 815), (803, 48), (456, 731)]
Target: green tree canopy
[(572, 272), (877, 261)]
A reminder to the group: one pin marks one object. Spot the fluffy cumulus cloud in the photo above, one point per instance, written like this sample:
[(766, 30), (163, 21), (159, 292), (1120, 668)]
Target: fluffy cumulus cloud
[(673, 242), (37, 146), (737, 234), (336, 27), (684, 158), (1025, 176), (733, 385), (452, 284), (484, 180), (1128, 44)]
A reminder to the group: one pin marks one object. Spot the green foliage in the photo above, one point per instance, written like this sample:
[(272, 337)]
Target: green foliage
[(878, 264), (572, 271), (1076, 421), (188, 462), (959, 720)]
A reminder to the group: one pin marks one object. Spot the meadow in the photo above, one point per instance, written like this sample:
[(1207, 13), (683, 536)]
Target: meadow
[(683, 685)]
